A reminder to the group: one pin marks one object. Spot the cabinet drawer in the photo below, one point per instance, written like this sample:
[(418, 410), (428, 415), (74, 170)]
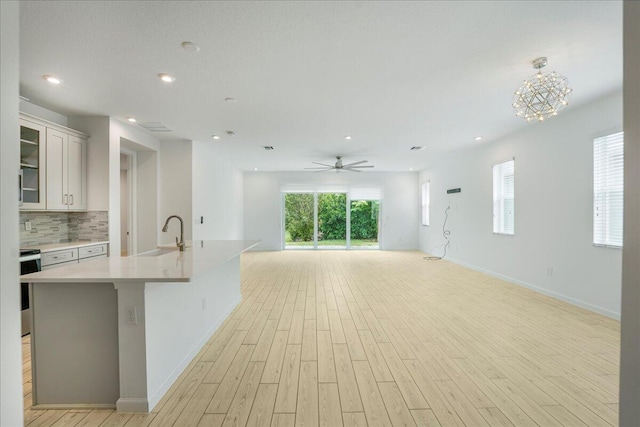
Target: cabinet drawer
[(57, 257), (91, 251)]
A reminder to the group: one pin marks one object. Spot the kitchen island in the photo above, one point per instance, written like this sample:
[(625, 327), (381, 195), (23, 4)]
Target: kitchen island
[(117, 332)]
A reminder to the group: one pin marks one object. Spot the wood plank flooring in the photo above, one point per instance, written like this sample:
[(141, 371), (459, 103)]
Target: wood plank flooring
[(369, 338)]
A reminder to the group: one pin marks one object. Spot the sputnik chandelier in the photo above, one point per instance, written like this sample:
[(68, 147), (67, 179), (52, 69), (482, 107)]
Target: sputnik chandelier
[(543, 95)]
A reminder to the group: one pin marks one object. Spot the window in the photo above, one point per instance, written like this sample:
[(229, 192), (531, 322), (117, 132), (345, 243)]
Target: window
[(608, 189), (503, 198), (425, 203)]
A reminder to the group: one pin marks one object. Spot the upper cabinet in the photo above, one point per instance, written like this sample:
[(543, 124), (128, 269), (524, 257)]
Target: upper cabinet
[(66, 171), (32, 165), (53, 169)]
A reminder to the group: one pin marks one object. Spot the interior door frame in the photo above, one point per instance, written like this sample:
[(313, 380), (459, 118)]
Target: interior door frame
[(132, 240)]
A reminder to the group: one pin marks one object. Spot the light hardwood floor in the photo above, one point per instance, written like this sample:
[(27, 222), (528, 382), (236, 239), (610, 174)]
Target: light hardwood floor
[(360, 338)]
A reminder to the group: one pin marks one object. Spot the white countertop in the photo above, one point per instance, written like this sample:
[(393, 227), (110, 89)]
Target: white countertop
[(66, 245), (172, 266)]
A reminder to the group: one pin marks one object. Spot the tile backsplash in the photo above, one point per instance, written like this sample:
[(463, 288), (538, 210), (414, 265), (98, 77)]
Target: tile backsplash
[(60, 227)]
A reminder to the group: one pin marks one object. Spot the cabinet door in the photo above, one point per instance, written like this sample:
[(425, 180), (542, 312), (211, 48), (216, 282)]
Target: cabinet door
[(77, 173), (32, 165), (57, 196)]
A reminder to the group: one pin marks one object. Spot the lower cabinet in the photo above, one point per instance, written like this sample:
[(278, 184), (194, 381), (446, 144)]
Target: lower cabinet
[(64, 257), (59, 258), (89, 253)]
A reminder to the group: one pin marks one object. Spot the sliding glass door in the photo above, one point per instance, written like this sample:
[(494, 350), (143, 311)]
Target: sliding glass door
[(332, 221), (329, 221), (299, 220), (364, 222)]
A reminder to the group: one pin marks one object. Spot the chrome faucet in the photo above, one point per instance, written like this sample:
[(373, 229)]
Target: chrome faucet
[(179, 244)]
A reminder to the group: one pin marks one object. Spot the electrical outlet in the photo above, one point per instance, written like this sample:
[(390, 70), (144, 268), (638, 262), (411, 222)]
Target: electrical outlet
[(27, 225), (550, 271), (131, 316)]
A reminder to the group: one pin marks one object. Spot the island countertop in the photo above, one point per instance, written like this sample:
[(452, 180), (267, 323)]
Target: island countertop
[(165, 264)]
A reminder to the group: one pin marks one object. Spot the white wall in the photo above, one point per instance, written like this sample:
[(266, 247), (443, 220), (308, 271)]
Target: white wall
[(630, 347), (175, 189), (147, 201), (10, 347), (217, 196), (399, 208), (553, 216), (103, 167)]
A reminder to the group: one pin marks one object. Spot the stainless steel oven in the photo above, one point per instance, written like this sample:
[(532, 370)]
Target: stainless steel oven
[(29, 263)]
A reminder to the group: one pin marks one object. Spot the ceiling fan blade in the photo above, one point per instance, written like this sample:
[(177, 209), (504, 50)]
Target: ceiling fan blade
[(359, 167), (322, 164), (355, 163), (323, 168)]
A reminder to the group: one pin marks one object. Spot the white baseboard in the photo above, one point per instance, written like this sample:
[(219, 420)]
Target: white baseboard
[(45, 406), (133, 404), (556, 295)]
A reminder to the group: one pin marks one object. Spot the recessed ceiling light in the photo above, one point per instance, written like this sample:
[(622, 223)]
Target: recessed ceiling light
[(190, 46), (131, 119), (417, 148), (478, 138), (410, 169), (215, 136), (348, 137), (231, 100), (255, 169), (52, 79), (166, 78)]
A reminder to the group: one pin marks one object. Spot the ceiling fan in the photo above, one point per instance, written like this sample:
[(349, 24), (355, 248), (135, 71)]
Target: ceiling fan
[(353, 167)]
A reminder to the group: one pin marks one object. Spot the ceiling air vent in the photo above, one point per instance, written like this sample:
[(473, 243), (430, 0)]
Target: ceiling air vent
[(155, 127), (417, 148), (267, 147)]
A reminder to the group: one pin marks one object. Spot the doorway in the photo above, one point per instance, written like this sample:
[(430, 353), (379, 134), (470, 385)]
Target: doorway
[(127, 165), (329, 221)]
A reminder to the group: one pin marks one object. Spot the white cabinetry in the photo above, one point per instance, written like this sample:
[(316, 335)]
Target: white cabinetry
[(89, 253), (53, 166), (73, 255), (66, 171), (59, 258), (32, 165)]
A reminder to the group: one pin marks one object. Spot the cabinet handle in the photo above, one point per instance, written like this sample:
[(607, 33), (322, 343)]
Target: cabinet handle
[(71, 199), (65, 200)]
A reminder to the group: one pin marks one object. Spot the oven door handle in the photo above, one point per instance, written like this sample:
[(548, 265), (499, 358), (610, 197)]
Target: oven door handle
[(29, 258)]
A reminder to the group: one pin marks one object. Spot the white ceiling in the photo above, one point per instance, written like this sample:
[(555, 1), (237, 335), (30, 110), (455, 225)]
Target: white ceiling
[(305, 74)]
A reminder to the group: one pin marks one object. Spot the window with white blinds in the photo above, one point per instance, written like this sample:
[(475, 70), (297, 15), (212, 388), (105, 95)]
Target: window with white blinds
[(608, 189), (425, 203), (503, 198)]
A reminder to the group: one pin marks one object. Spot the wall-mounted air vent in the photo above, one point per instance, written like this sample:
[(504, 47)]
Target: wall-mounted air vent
[(155, 127), (267, 147), (417, 148)]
